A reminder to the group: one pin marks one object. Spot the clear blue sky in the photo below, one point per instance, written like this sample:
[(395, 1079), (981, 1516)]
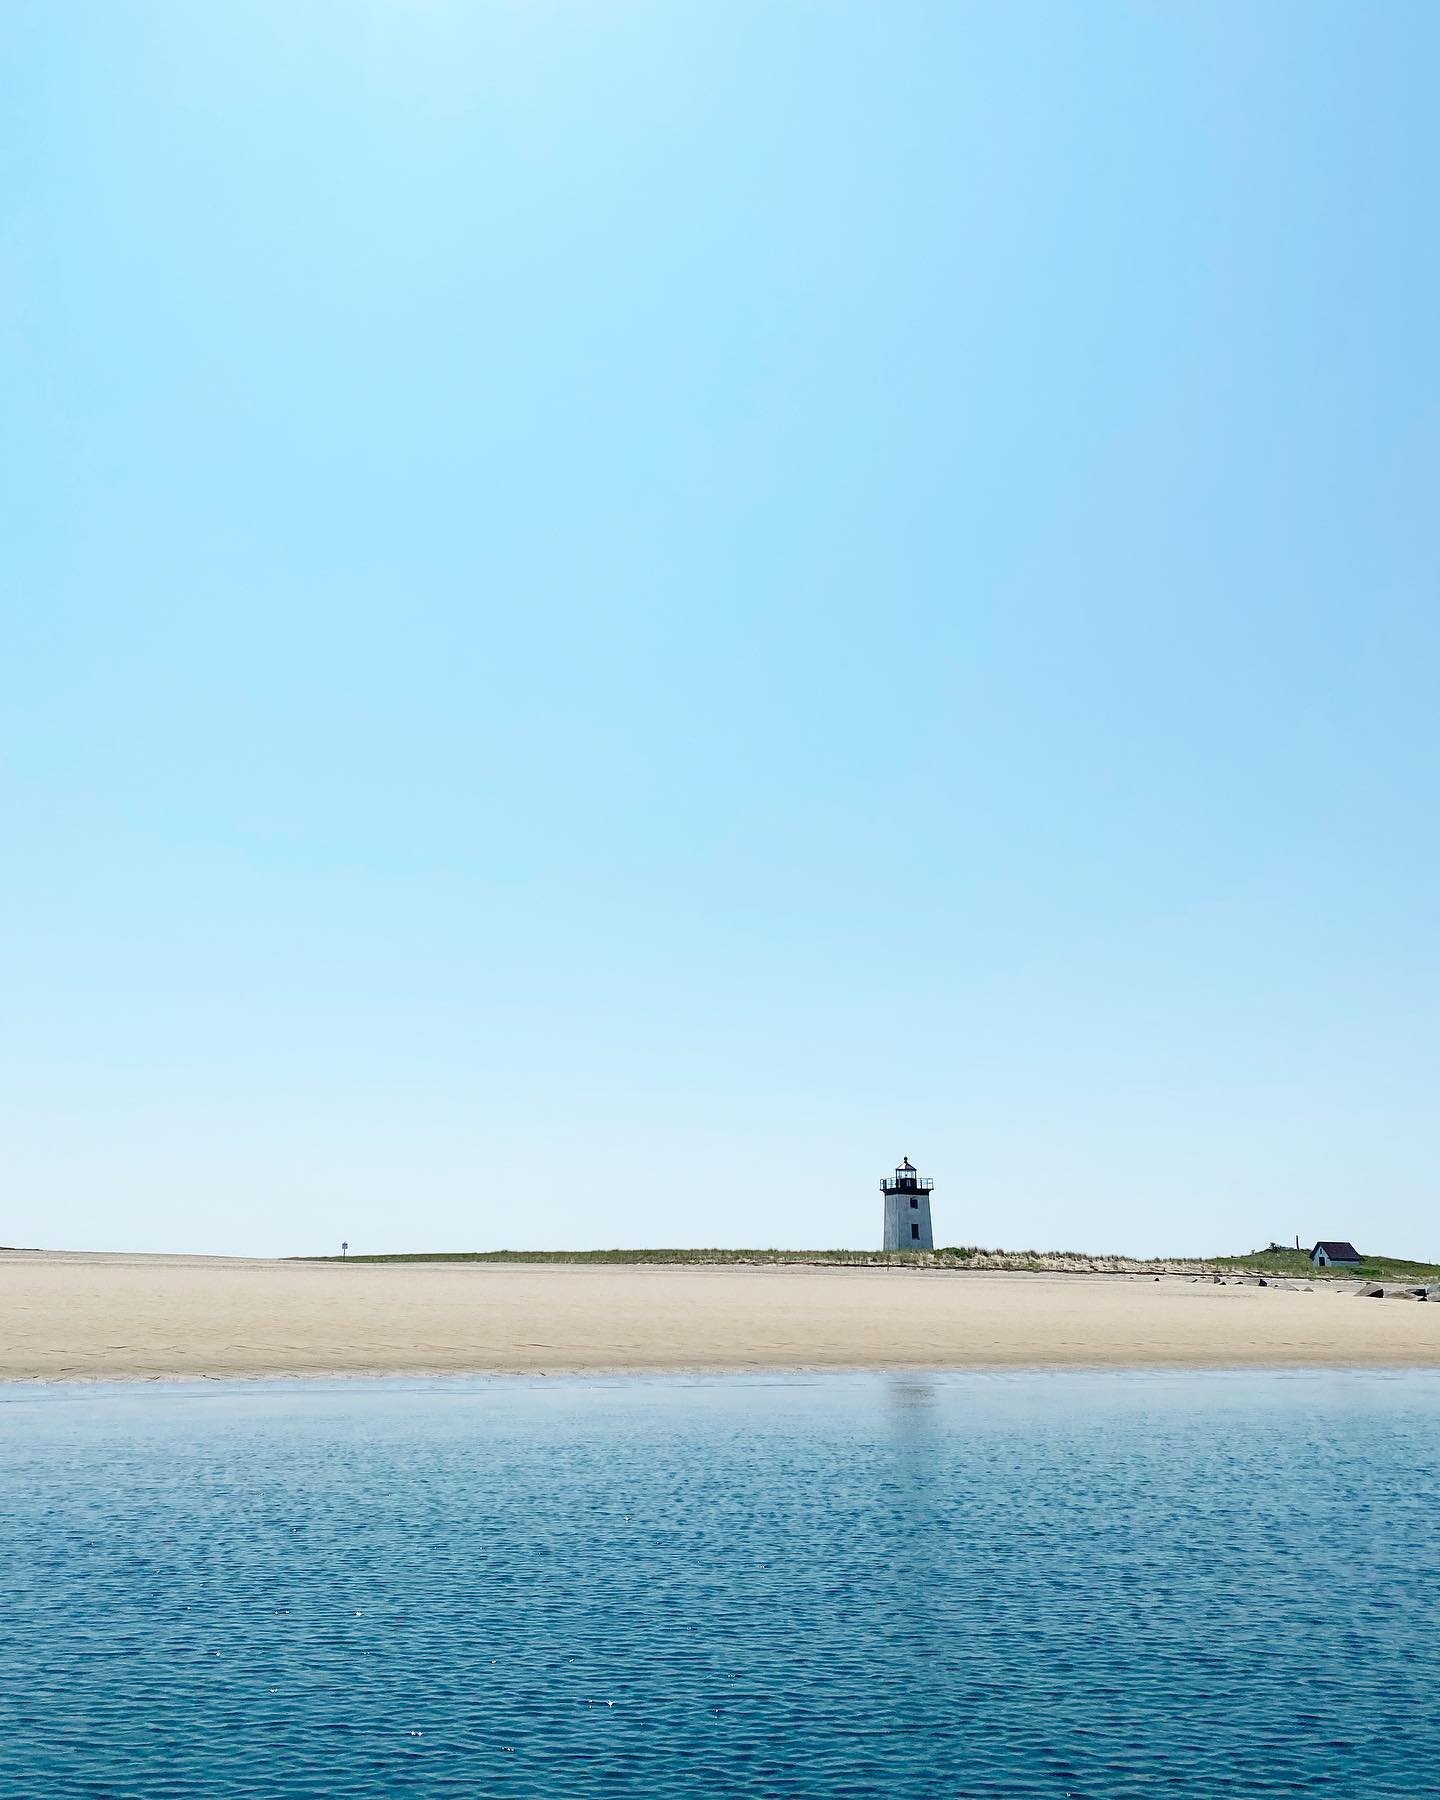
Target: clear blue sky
[(618, 613)]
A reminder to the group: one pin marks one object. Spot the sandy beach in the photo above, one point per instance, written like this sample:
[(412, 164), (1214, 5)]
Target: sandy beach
[(74, 1316)]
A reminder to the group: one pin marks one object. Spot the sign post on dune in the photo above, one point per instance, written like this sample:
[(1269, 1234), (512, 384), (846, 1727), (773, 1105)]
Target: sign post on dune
[(907, 1209)]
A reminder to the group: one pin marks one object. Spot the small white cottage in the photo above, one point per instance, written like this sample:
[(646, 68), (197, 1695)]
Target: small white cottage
[(1328, 1252)]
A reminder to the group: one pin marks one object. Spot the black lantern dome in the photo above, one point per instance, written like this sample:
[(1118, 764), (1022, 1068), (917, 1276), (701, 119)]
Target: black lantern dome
[(906, 1181)]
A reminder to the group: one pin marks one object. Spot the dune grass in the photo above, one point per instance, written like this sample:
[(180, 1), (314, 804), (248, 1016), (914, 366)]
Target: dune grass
[(951, 1256), (624, 1256), (1296, 1264), (1275, 1261)]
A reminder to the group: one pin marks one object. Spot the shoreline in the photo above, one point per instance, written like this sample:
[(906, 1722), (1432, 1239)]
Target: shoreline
[(87, 1317), (306, 1380)]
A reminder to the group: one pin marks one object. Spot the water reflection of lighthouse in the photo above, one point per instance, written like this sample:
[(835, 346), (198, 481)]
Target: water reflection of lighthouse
[(907, 1209)]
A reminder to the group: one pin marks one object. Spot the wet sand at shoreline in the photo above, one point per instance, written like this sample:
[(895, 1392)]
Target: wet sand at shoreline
[(78, 1316)]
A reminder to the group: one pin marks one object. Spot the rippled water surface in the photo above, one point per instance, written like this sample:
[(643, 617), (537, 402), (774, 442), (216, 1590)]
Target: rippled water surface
[(1047, 1584)]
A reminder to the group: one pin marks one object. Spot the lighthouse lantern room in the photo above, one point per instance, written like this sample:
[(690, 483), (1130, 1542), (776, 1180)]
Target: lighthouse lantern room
[(907, 1209)]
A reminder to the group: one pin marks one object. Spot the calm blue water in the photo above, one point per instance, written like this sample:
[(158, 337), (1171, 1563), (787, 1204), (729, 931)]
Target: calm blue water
[(1038, 1584)]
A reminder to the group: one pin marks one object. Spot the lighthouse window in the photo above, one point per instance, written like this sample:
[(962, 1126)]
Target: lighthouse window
[(913, 1202), (914, 1231)]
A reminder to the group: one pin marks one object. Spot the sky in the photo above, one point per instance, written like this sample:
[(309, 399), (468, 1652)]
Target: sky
[(618, 612)]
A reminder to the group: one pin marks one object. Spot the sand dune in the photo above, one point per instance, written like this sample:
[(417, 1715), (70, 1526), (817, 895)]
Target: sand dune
[(74, 1316)]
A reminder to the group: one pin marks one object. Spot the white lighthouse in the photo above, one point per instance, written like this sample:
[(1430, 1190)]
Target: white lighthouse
[(907, 1209)]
